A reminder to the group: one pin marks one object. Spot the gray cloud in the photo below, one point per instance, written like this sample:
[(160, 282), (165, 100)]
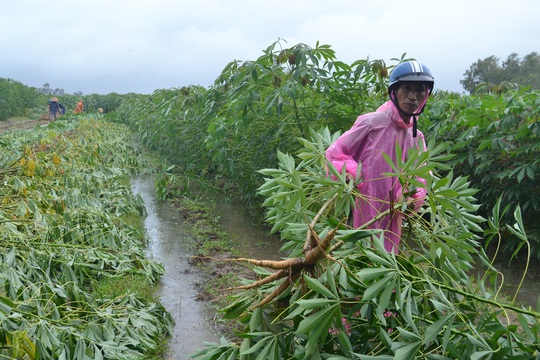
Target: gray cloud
[(98, 46)]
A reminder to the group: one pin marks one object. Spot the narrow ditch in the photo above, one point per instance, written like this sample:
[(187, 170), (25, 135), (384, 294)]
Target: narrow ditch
[(177, 290), (167, 238)]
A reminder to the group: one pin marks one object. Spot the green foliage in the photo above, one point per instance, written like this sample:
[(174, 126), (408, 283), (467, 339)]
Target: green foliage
[(173, 123), (362, 302), (255, 108), (525, 72), (266, 104), (496, 139), (67, 239), (16, 99)]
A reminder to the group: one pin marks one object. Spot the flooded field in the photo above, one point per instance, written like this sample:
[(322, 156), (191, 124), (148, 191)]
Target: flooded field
[(167, 245)]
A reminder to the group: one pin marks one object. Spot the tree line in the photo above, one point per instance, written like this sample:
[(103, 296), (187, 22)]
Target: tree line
[(491, 73)]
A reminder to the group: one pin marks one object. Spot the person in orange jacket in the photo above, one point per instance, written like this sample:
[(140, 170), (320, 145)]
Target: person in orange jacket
[(79, 107)]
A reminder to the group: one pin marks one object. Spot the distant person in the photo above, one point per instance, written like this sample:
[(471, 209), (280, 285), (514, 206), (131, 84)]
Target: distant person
[(79, 107), (55, 109)]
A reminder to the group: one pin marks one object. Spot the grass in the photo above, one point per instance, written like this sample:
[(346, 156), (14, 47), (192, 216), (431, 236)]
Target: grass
[(112, 287)]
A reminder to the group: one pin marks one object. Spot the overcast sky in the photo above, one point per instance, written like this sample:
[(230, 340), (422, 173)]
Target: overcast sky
[(104, 46)]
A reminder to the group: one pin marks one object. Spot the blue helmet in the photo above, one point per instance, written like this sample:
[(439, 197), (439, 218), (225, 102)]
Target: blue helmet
[(411, 71)]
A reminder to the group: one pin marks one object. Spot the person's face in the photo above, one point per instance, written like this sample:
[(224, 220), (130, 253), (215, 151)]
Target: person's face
[(410, 95)]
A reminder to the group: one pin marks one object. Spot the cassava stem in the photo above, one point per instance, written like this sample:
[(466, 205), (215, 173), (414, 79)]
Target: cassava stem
[(279, 290), (310, 241), (275, 276)]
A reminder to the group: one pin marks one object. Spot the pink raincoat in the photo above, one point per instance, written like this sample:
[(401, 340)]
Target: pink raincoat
[(372, 135)]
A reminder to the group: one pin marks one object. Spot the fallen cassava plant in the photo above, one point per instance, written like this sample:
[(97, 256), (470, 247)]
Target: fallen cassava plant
[(291, 269), (359, 301), (314, 250)]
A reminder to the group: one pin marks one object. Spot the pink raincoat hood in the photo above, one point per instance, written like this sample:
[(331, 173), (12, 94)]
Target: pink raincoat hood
[(392, 111)]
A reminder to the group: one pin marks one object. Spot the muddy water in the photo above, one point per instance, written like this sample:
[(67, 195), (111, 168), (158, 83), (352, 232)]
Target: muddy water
[(166, 245), (177, 291), (250, 238), (525, 289)]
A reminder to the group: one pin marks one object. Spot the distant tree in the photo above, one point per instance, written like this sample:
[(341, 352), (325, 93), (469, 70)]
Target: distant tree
[(530, 71), (16, 99), (46, 89), (524, 71)]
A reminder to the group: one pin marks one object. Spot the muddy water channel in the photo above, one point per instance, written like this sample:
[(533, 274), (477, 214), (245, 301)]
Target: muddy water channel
[(177, 290), (167, 245)]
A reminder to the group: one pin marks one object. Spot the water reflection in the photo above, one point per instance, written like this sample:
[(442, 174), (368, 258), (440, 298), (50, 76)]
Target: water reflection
[(249, 238)]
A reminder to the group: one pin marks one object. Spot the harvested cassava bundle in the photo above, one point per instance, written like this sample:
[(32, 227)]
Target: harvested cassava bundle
[(315, 250)]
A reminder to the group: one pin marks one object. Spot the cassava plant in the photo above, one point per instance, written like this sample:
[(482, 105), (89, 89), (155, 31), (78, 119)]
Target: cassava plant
[(340, 295), (255, 107), (16, 99), (65, 233), (496, 139)]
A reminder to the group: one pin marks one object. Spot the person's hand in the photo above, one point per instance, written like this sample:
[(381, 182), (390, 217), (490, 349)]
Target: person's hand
[(411, 204), (350, 177), (414, 204)]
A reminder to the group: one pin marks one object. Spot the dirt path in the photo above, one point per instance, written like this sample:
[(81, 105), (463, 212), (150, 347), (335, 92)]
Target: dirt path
[(20, 123)]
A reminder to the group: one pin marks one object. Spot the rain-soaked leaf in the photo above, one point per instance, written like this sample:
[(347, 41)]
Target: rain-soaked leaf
[(316, 286)]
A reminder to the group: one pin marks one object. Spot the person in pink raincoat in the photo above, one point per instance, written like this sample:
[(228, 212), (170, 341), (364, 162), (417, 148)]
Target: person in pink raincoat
[(375, 133)]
